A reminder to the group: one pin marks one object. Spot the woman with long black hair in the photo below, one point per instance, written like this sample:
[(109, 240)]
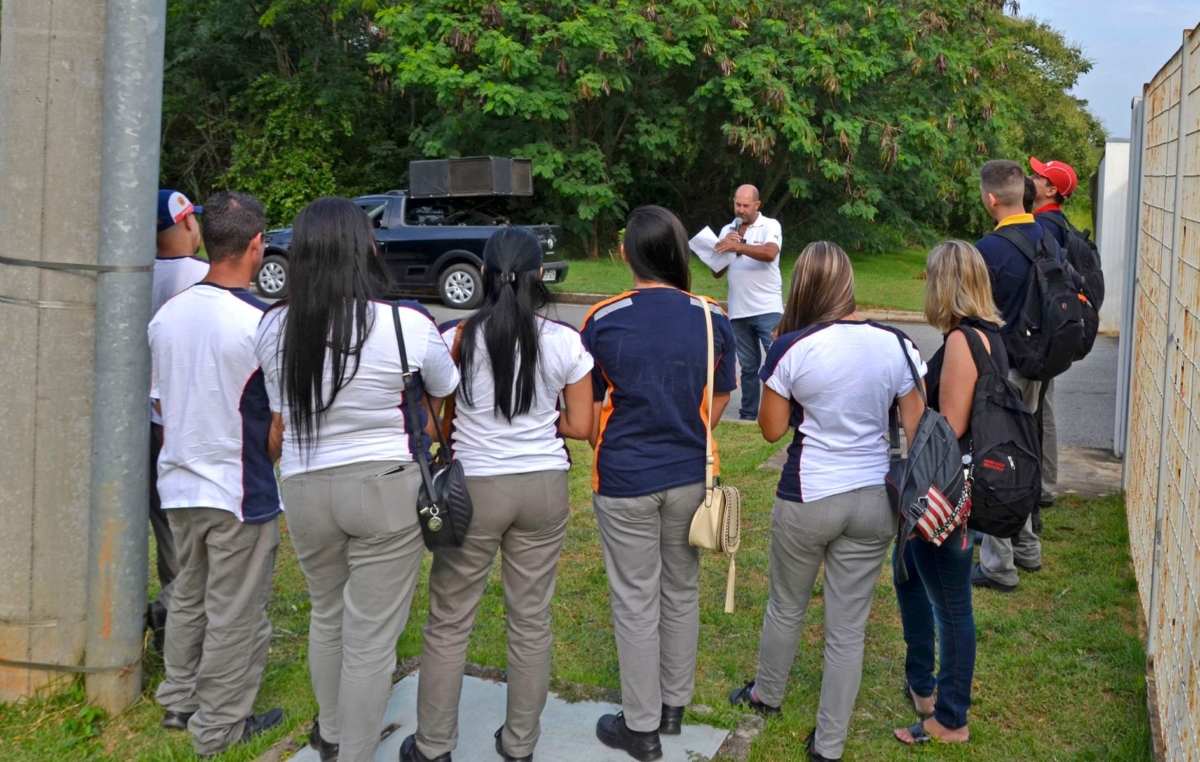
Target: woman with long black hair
[(333, 375), (650, 346), (509, 433)]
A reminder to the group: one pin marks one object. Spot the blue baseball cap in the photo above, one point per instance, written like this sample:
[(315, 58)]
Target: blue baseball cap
[(173, 206)]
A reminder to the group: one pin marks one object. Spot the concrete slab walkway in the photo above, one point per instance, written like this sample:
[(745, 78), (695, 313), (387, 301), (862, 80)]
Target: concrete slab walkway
[(568, 729)]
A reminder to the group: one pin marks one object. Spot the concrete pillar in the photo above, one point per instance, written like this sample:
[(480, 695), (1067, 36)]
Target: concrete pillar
[(51, 117)]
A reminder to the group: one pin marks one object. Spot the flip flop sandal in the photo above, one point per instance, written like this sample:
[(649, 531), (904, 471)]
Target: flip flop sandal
[(918, 734), (911, 696)]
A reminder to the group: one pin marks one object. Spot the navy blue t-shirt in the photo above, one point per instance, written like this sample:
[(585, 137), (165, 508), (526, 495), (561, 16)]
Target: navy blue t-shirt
[(1009, 268), (651, 352)]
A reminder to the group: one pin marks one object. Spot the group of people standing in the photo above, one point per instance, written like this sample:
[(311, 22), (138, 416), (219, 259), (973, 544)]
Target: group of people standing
[(317, 385)]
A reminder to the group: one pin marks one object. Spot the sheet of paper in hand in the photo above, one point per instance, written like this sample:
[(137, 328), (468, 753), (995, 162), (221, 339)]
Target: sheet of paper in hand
[(702, 246)]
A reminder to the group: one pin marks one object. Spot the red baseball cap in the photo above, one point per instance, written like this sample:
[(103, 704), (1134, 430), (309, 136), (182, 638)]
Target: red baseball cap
[(1060, 175)]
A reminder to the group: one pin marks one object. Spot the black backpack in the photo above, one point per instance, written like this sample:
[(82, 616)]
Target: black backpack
[(1006, 452), (1051, 329), (928, 489), (1083, 255)]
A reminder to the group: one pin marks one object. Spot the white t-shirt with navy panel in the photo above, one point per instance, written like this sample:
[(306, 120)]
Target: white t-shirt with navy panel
[(842, 379), (171, 276), (755, 288), (216, 417), (369, 416), (487, 444)]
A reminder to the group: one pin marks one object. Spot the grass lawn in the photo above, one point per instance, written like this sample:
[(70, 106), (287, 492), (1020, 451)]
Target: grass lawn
[(1059, 675), (888, 281)]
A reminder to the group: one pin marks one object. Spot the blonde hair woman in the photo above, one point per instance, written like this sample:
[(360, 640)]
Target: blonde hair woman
[(958, 302), (833, 377)]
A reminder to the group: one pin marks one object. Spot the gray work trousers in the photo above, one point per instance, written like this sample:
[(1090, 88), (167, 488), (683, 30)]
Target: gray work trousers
[(654, 584), (851, 533), (358, 542), (524, 516), (218, 634), (164, 542), (998, 557)]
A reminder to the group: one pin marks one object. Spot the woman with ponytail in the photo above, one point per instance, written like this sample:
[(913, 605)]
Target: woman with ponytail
[(508, 431)]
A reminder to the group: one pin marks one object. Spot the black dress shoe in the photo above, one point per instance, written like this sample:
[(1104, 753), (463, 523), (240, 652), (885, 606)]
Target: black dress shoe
[(979, 579), (410, 753), (671, 723), (328, 751), (508, 757), (812, 755), (261, 723), (176, 720), (254, 726), (615, 734), (744, 696)]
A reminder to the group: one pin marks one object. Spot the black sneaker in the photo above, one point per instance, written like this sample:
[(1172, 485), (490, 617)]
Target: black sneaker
[(615, 734), (744, 696), (1032, 568), (979, 579), (671, 723), (751, 417), (176, 720), (254, 726), (812, 755), (328, 751), (410, 753), (508, 757)]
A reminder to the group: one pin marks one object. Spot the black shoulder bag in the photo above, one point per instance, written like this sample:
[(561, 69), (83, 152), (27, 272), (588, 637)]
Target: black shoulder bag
[(444, 507)]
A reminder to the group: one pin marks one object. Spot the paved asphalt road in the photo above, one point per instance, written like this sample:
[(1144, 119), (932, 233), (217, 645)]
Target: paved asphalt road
[(1084, 397)]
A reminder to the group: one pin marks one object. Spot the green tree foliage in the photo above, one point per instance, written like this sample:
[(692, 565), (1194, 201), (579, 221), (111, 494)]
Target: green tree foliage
[(841, 111), (852, 116), (277, 97)]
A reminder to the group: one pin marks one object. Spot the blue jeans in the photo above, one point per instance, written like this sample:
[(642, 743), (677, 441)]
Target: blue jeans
[(750, 332), (939, 589)]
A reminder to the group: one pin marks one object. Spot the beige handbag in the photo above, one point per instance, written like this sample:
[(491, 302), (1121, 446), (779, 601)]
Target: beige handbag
[(717, 524)]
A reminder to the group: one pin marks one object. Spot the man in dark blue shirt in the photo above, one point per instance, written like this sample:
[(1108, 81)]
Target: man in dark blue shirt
[(1054, 182), (1002, 188)]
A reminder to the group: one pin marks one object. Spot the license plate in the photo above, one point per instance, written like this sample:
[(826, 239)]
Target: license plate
[(550, 276)]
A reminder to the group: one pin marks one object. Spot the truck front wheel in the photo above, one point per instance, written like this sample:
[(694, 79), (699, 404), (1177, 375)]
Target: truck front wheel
[(272, 278), (461, 286)]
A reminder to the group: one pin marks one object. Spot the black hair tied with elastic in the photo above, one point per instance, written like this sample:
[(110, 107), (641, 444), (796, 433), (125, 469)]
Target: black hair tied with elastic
[(513, 293)]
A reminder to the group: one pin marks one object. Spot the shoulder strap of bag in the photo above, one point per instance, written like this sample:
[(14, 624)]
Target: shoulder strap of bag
[(1018, 239), (894, 412), (978, 351), (410, 402), (709, 459)]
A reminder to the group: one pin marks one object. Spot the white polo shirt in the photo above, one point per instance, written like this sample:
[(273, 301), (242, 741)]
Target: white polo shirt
[(216, 419), (368, 418), (755, 288), (841, 379), (171, 276), (489, 445)]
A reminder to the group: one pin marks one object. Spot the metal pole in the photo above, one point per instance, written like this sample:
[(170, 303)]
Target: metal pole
[(1133, 239), (117, 556), (1167, 385), (51, 101)]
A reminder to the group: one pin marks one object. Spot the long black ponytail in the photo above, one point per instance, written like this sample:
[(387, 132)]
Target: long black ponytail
[(513, 293), (335, 273)]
